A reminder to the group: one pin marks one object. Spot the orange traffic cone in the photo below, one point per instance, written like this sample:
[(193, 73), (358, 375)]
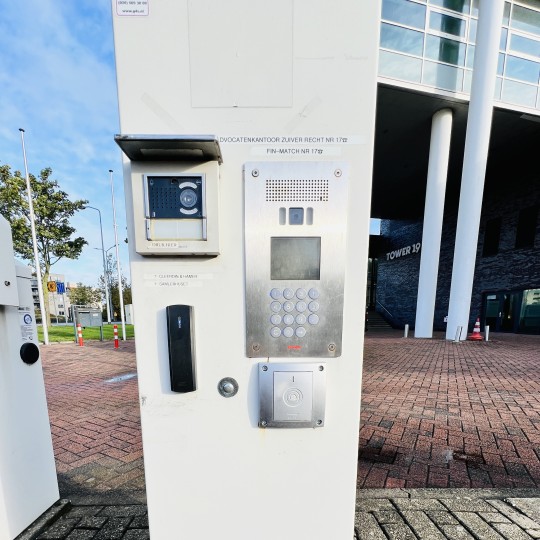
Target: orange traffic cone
[(476, 335)]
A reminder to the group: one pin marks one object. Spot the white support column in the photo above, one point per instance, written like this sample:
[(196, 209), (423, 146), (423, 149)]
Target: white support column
[(474, 163), (439, 151)]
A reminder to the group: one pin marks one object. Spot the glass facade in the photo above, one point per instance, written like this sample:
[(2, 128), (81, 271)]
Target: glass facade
[(431, 43)]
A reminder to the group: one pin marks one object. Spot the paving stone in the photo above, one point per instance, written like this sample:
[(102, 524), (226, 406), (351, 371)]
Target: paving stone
[(388, 516), (139, 522), (113, 529), (418, 504), (124, 511), (80, 511), (511, 531), (422, 525), (456, 532), (81, 534), (136, 534), (481, 529), (493, 517), (466, 504), (60, 529), (442, 518), (530, 507), (367, 527), (372, 505), (514, 516), (92, 522), (399, 531)]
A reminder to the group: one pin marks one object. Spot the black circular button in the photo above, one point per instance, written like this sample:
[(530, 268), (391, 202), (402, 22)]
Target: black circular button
[(29, 353)]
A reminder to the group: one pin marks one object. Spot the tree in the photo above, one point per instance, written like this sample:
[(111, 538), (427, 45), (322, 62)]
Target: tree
[(52, 212), (84, 295)]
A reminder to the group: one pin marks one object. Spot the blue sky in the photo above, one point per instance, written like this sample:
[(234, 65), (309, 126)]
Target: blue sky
[(57, 81)]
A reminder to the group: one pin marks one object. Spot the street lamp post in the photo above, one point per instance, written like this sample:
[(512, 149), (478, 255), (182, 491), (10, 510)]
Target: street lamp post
[(104, 266), (34, 243), (122, 318)]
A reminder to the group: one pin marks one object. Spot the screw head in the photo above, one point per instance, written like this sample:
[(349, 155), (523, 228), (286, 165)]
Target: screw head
[(264, 423), (7, 283), (332, 347), (255, 173), (265, 368), (319, 422), (321, 368), (337, 173), (256, 347)]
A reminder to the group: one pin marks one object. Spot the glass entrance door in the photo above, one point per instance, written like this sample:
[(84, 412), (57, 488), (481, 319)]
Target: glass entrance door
[(502, 311)]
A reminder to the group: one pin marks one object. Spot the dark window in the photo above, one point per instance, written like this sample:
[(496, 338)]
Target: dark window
[(492, 237), (526, 228)]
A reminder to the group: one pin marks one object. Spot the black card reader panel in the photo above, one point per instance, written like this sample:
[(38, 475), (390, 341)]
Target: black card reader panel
[(181, 348)]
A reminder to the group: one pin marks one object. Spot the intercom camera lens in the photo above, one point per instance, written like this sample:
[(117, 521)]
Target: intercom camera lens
[(188, 198)]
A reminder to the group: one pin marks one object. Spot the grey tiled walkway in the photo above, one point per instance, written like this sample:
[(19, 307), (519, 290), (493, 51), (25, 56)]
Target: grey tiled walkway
[(434, 415)]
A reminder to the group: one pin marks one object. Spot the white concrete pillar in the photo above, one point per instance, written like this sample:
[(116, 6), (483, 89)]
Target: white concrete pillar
[(439, 151), (474, 163)]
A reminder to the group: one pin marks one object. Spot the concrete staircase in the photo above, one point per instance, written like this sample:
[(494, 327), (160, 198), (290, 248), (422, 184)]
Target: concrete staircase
[(376, 321)]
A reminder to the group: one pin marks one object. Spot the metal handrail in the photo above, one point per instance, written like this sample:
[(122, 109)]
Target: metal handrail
[(378, 303)]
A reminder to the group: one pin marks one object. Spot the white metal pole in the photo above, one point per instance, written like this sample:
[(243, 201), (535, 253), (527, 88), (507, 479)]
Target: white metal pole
[(34, 243), (474, 163), (120, 292), (105, 280), (439, 152)]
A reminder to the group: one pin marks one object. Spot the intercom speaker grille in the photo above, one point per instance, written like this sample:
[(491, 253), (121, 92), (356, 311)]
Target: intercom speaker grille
[(297, 190), (164, 197)]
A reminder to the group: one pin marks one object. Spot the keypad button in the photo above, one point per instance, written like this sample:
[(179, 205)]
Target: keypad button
[(301, 294), (288, 306), (275, 307), (288, 331), (301, 319), (275, 319), (276, 294), (313, 294), (313, 319), (288, 319), (288, 294), (313, 306), (300, 332), (301, 306), (275, 332)]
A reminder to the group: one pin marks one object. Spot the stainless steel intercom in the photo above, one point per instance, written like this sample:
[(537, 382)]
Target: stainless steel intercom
[(295, 223)]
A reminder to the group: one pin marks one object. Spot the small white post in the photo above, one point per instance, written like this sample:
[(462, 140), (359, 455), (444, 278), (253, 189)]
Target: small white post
[(487, 333), (457, 339), (406, 334)]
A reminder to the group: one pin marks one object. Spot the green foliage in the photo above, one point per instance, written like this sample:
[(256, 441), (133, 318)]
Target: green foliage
[(84, 295), (52, 212)]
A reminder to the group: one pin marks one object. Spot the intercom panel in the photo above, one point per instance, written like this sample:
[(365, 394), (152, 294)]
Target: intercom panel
[(178, 209), (295, 219)]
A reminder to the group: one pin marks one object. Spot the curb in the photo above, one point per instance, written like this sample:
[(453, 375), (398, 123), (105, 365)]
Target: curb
[(58, 509)]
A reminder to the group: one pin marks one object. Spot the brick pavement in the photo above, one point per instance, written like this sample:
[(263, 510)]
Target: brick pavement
[(440, 414), (434, 414), (95, 420)]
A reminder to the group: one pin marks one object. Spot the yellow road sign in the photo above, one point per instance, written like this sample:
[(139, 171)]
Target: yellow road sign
[(51, 286)]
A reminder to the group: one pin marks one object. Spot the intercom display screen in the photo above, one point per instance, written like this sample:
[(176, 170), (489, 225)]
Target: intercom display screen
[(295, 258)]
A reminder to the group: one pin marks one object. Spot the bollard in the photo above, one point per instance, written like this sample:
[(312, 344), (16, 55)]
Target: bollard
[(486, 329), (115, 330), (457, 339), (79, 335), (406, 334)]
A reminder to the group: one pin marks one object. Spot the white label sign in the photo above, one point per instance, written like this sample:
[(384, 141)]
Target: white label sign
[(132, 8), (27, 325)]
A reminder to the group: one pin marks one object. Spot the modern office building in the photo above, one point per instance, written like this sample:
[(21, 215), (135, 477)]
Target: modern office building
[(456, 179)]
